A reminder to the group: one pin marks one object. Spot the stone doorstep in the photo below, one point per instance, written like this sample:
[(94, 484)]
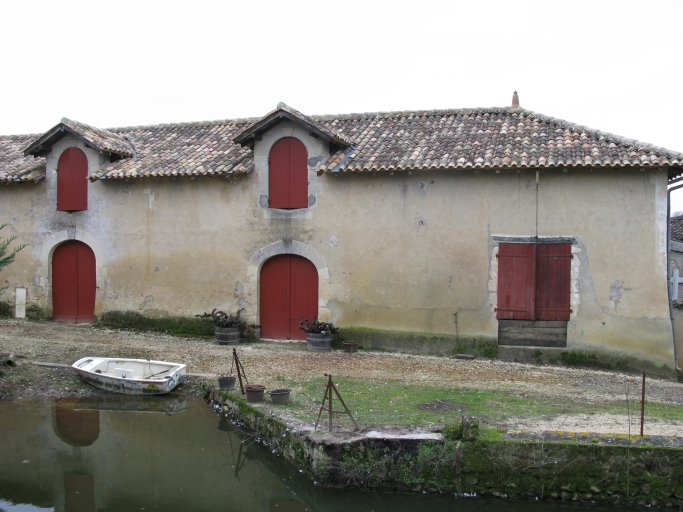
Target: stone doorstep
[(596, 438)]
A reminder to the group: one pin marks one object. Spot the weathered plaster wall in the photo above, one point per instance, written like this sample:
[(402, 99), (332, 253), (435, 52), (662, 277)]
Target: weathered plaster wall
[(401, 251)]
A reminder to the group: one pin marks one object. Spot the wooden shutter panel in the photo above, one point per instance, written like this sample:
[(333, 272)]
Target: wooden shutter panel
[(72, 182), (516, 276), (288, 174), (553, 274)]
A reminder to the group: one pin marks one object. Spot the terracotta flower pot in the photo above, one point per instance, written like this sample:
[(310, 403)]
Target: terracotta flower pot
[(255, 392), (350, 346)]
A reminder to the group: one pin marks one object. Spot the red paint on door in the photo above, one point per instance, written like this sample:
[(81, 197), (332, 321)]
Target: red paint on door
[(72, 183), (288, 292), (288, 174), (516, 280), (553, 277), (73, 283)]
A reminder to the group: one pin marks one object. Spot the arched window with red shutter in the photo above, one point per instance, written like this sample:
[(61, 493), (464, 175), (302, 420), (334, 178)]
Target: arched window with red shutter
[(72, 181), (288, 174)]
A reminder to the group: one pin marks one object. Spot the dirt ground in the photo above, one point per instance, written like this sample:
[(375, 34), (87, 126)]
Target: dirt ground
[(66, 343)]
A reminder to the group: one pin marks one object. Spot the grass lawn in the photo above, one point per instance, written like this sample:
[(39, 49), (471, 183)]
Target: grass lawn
[(392, 403)]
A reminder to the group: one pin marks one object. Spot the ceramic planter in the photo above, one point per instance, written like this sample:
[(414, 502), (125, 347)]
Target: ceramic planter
[(350, 346)]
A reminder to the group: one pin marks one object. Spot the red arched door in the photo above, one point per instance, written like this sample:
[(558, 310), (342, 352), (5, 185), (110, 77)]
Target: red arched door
[(289, 291), (73, 283)]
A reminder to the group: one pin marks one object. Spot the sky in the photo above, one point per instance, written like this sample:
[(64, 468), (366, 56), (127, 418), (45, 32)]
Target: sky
[(609, 65)]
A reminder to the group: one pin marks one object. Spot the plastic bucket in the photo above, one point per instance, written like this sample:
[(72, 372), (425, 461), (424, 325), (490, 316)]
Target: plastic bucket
[(227, 383)]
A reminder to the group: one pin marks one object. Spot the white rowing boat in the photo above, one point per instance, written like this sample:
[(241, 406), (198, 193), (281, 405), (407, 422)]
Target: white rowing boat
[(130, 376)]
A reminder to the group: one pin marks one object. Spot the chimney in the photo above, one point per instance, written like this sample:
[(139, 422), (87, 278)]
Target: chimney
[(515, 100)]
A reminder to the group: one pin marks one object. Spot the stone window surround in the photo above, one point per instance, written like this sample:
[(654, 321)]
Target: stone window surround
[(574, 299), (317, 150)]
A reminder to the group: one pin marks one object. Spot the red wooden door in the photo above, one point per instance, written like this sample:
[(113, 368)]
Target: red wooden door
[(72, 183), (288, 292), (288, 174), (73, 283), (553, 277), (516, 282)]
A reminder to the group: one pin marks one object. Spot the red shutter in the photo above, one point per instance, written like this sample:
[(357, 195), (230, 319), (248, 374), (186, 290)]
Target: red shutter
[(288, 174), (516, 276), (72, 183), (553, 274), (298, 174)]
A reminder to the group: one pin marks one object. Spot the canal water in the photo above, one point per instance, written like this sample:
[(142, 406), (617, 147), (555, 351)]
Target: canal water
[(174, 453)]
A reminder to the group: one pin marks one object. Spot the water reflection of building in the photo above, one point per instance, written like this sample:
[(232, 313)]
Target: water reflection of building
[(79, 492), (85, 455), (76, 428)]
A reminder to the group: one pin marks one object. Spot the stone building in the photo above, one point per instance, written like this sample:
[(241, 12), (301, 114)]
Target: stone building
[(496, 223)]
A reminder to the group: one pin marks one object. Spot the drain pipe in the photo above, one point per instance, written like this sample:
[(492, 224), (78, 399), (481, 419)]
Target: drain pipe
[(669, 285)]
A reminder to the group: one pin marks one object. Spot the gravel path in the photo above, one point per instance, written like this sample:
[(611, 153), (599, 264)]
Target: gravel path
[(65, 343)]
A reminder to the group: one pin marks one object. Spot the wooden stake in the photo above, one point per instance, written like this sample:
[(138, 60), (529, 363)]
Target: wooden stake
[(642, 406), (240, 369), (328, 396)]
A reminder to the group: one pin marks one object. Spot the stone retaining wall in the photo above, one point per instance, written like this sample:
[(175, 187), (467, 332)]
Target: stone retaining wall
[(392, 458)]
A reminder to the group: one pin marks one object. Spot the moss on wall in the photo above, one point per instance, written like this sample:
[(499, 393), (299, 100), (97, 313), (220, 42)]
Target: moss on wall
[(178, 326), (471, 465), (421, 342)]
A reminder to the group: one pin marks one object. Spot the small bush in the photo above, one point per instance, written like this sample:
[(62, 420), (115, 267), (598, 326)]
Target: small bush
[(465, 428), (578, 357), (5, 309)]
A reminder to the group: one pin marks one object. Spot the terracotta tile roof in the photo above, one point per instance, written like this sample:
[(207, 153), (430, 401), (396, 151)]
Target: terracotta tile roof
[(102, 140), (482, 138), (188, 149), (676, 232), (14, 166)]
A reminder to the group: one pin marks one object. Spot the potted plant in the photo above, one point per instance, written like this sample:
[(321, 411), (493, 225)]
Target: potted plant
[(229, 327), (319, 335)]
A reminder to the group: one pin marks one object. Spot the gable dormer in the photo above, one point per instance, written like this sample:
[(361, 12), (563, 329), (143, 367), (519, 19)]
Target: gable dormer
[(65, 146), (282, 113), (288, 147), (96, 138)]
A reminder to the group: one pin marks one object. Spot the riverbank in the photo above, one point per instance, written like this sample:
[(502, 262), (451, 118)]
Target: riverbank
[(408, 408), (467, 463), (381, 388)]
